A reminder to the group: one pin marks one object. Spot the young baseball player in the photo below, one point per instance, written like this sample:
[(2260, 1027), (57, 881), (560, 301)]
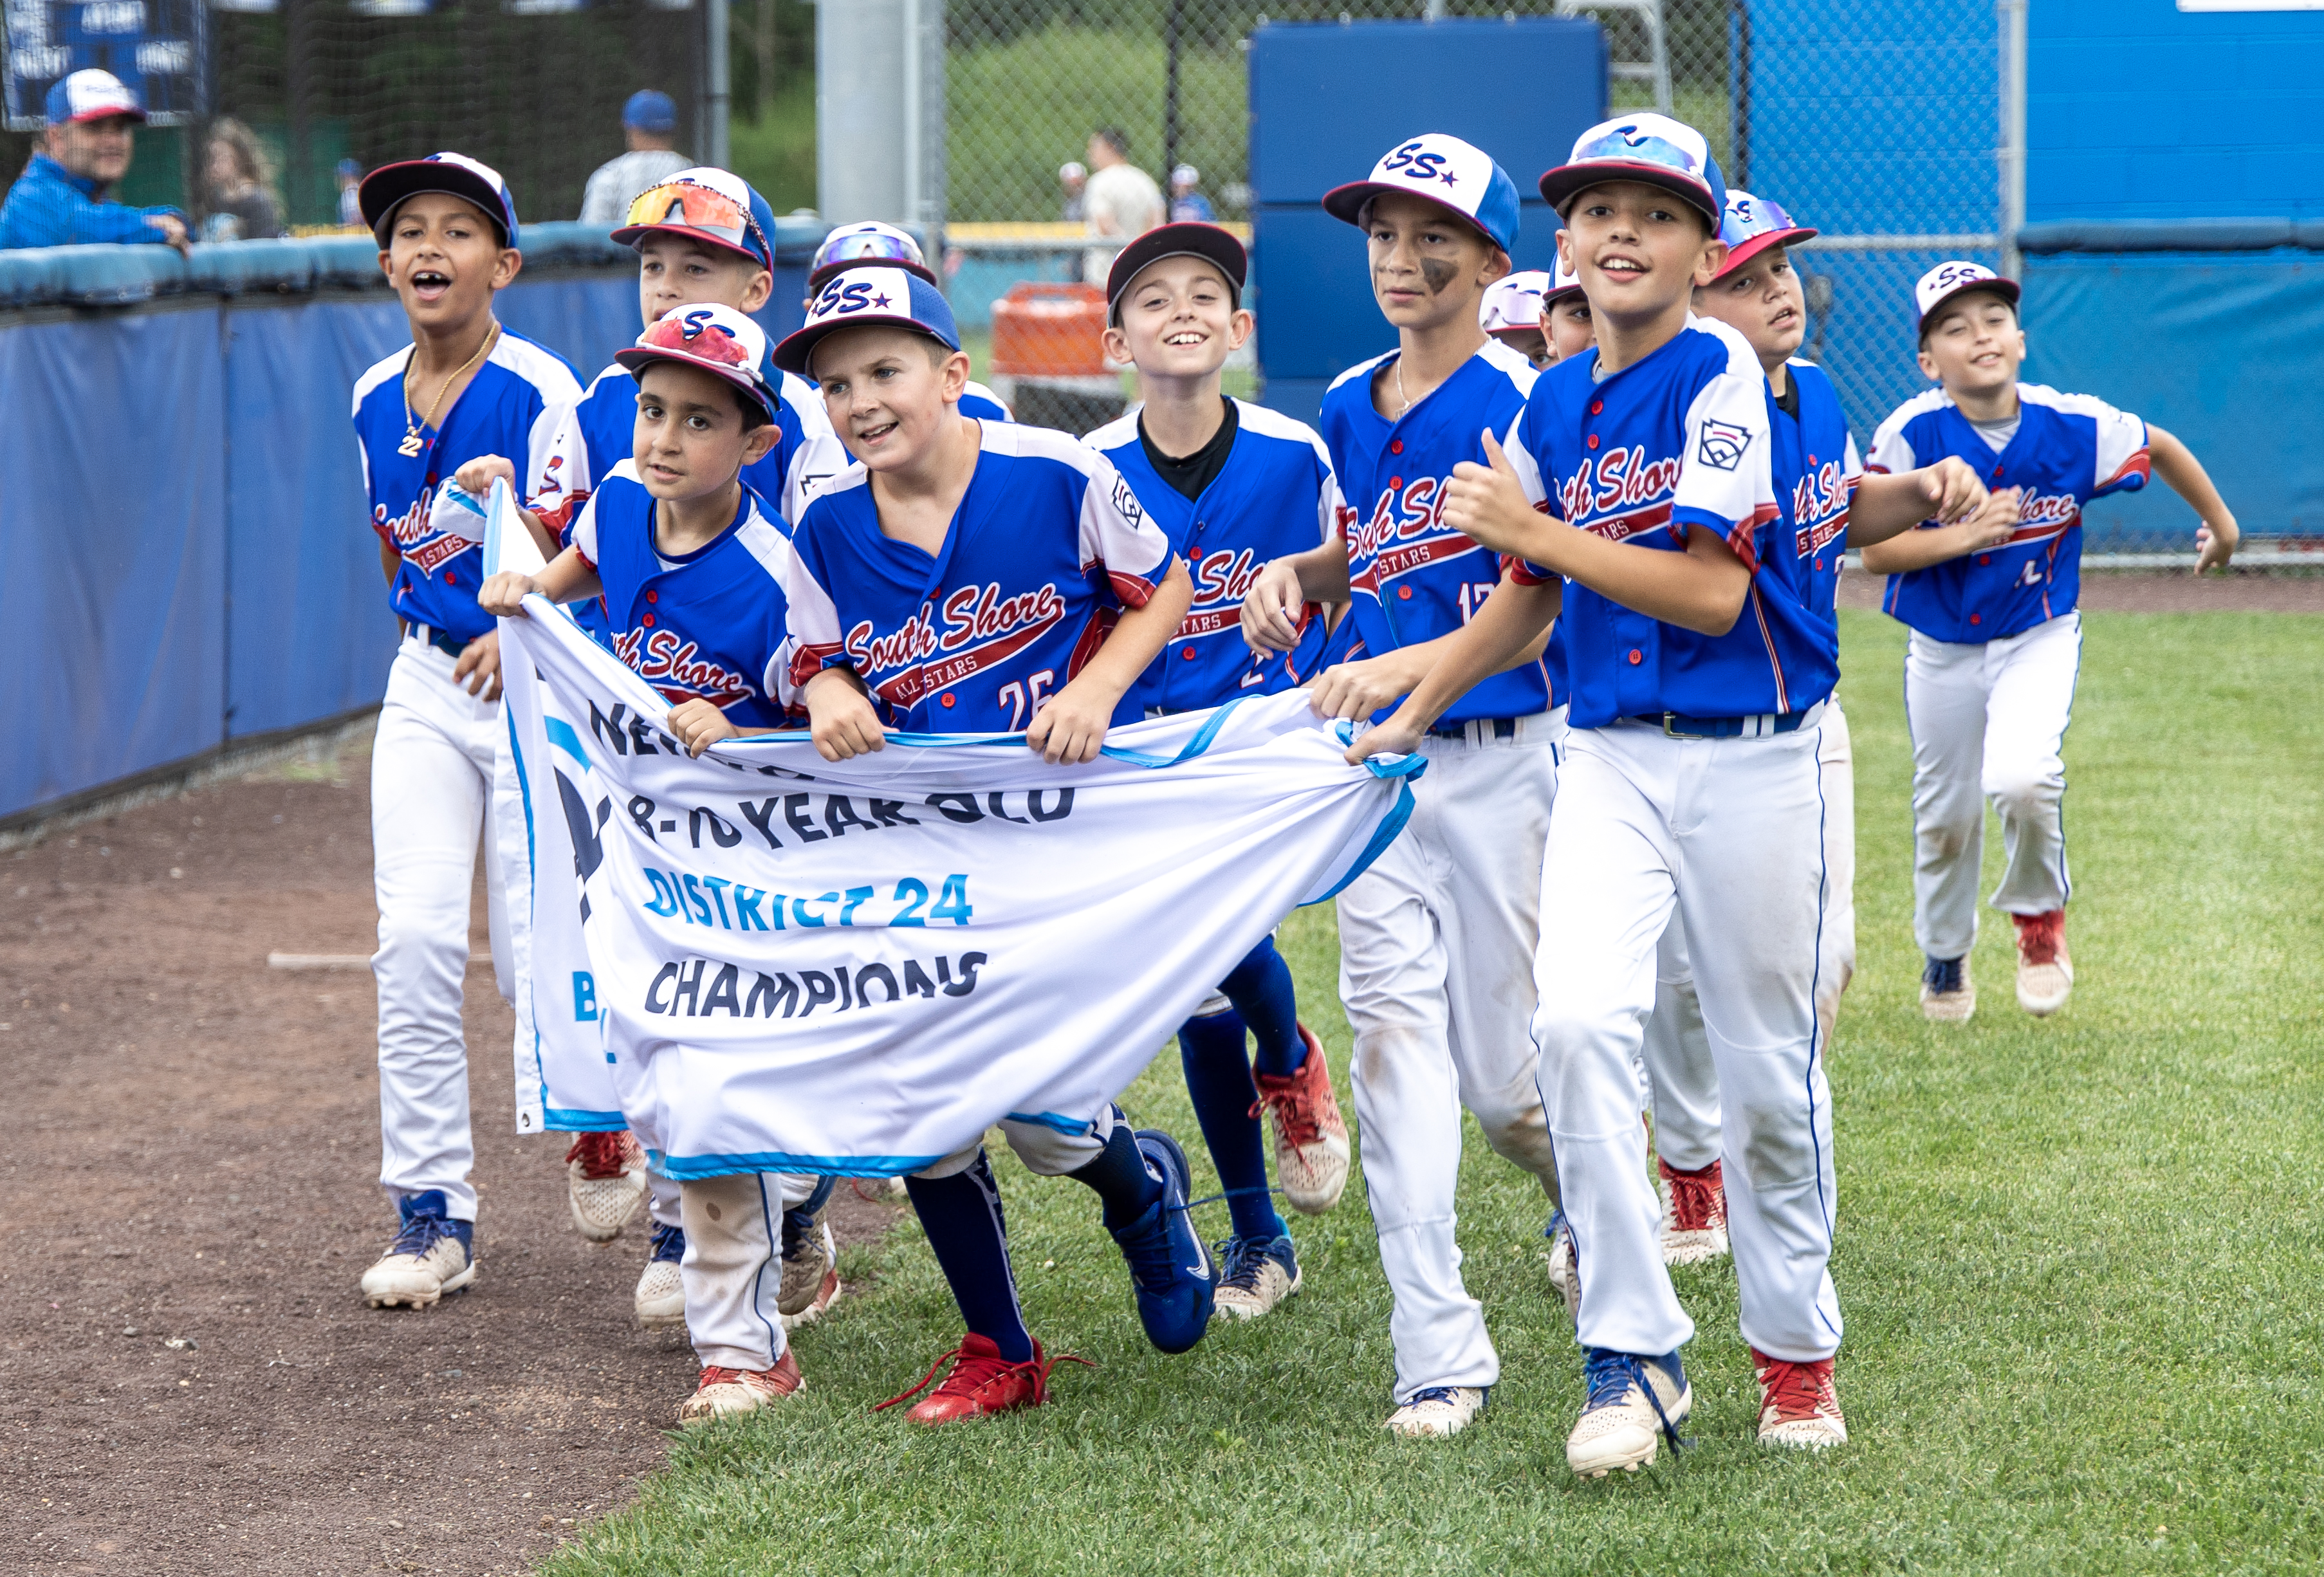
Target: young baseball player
[(1996, 642), (1689, 788), (685, 557), (1828, 506), (447, 236), (1233, 486), (1436, 938), (1512, 313), (873, 242), (704, 237), (959, 579)]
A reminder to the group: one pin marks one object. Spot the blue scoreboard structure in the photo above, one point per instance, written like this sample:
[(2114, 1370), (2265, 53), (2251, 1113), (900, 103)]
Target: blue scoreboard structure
[(1327, 99), (153, 46)]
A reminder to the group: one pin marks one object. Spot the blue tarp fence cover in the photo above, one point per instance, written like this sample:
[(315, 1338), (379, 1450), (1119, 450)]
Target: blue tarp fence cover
[(185, 560)]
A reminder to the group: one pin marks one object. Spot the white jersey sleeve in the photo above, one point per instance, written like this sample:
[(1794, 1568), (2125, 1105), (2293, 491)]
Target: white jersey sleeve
[(1892, 451), (813, 618), (1725, 479), (1116, 535), (584, 533), (562, 477), (2122, 460), (820, 455)]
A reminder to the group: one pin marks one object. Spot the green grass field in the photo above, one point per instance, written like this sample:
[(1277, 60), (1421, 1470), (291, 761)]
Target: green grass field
[(2079, 1260)]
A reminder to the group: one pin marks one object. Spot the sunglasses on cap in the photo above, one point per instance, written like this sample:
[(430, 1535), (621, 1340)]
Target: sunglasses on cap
[(1636, 149), (698, 207), (868, 246)]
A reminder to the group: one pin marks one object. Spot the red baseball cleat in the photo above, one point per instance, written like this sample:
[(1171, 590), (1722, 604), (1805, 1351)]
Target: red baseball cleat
[(1695, 1214), (982, 1382), (1311, 1138), (1798, 1403), (722, 1392), (2045, 976)]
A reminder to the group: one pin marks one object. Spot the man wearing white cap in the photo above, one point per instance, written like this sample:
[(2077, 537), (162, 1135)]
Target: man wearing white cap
[(59, 199)]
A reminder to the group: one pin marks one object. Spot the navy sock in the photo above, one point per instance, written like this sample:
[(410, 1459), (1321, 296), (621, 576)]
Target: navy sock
[(1119, 1176), (1261, 991), (1219, 1079), (962, 1215)]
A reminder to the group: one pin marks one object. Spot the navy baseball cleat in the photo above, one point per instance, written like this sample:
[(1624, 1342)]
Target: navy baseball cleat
[(431, 1256), (1255, 1274), (1169, 1265)]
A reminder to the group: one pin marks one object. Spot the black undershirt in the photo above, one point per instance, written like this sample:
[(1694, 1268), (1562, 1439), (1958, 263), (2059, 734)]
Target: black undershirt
[(1788, 401), (1193, 473)]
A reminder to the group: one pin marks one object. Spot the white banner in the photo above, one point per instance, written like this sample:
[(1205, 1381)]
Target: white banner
[(858, 969)]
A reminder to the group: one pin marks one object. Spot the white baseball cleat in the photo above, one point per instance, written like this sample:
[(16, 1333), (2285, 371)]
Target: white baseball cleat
[(1695, 1214), (2045, 976), (1948, 995), (810, 1259), (1564, 1268), (826, 1292), (1799, 1405), (431, 1256), (1255, 1274), (722, 1393), (661, 1297), (1310, 1137), (604, 1183), (1634, 1403), (1438, 1411)]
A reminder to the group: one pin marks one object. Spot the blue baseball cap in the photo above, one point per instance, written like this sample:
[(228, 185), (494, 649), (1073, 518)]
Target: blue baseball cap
[(1650, 148), (348, 167), (1754, 225), (870, 293), (1449, 173), (649, 110), (91, 96), (383, 190)]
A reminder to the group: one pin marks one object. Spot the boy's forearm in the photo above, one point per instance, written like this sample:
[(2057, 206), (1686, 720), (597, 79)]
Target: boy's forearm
[(1702, 589), (1138, 636), (542, 537), (1885, 507), (390, 561), (2184, 475), (567, 578), (1909, 550), (1513, 625), (1322, 572)]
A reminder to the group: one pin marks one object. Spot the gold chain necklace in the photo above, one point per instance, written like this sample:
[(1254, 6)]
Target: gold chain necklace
[(413, 443)]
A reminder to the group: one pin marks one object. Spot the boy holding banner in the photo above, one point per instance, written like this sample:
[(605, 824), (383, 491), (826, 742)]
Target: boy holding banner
[(968, 575)]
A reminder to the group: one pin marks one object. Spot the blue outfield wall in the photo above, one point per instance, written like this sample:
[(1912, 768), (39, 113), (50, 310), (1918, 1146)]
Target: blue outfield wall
[(185, 556)]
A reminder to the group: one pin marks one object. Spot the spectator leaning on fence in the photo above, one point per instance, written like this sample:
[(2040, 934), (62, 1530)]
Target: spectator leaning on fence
[(239, 202), (60, 198), (1119, 204), (650, 121)]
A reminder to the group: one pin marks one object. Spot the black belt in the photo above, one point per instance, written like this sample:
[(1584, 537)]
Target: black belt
[(437, 638), (1503, 728), (1679, 725)]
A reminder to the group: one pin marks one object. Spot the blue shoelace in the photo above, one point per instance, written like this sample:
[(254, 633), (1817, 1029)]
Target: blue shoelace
[(668, 1242), (1448, 1395), (1241, 1260), (420, 1234), (1610, 1374), (1943, 975)]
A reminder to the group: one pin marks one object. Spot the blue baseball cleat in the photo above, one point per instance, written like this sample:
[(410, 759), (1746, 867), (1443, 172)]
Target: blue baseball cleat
[(432, 1255), (1169, 1265)]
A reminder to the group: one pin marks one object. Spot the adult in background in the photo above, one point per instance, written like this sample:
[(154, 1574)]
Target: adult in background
[(1073, 176), (649, 122), (59, 199), (1119, 204), (240, 202), (1187, 203), (349, 175)]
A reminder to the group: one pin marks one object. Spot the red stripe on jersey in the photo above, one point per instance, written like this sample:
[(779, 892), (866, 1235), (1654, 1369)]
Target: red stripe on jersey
[(1813, 540), (2141, 463), (1094, 634), (1134, 590), (1209, 621), (1392, 562), (809, 660), (1636, 523), (904, 689), (1743, 537)]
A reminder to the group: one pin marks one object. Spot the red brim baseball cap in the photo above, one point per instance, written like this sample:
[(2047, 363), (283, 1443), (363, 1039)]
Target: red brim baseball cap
[(1210, 243), (718, 340)]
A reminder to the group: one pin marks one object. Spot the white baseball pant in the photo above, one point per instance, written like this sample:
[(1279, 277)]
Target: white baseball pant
[(1727, 833), (1682, 1081), (1988, 719), (432, 775), (1435, 947), (731, 1272)]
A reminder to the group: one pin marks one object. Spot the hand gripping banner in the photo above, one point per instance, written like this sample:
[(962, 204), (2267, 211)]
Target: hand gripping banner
[(760, 960)]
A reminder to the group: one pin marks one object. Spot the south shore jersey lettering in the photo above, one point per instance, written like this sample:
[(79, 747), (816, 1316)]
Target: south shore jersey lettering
[(509, 408), (2069, 450), (1677, 439), (1276, 496), (711, 624), (1048, 545), (761, 961), (1413, 577)]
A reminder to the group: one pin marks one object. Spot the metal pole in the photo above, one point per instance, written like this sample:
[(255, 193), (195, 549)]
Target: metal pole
[(718, 83), (1741, 67), (1170, 90), (2012, 132), (298, 40)]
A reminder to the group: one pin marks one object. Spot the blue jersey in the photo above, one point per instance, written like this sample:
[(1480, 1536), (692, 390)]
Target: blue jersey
[(1677, 439), (1275, 496), (2068, 449), (706, 625), (1815, 470), (1047, 544), (509, 408), (1413, 578)]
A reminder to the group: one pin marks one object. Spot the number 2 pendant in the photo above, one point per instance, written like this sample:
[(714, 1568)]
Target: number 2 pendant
[(411, 446)]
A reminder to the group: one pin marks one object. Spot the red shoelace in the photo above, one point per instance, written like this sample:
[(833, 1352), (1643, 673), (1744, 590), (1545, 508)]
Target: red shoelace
[(759, 1380), (1696, 1197), (2038, 936), (601, 1155), (1293, 1101), (1795, 1390)]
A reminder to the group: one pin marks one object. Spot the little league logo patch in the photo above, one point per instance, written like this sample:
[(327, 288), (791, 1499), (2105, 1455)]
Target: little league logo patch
[(1722, 444)]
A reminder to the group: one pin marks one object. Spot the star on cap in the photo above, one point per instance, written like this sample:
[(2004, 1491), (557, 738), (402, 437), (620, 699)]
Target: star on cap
[(1449, 179), (880, 300)]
